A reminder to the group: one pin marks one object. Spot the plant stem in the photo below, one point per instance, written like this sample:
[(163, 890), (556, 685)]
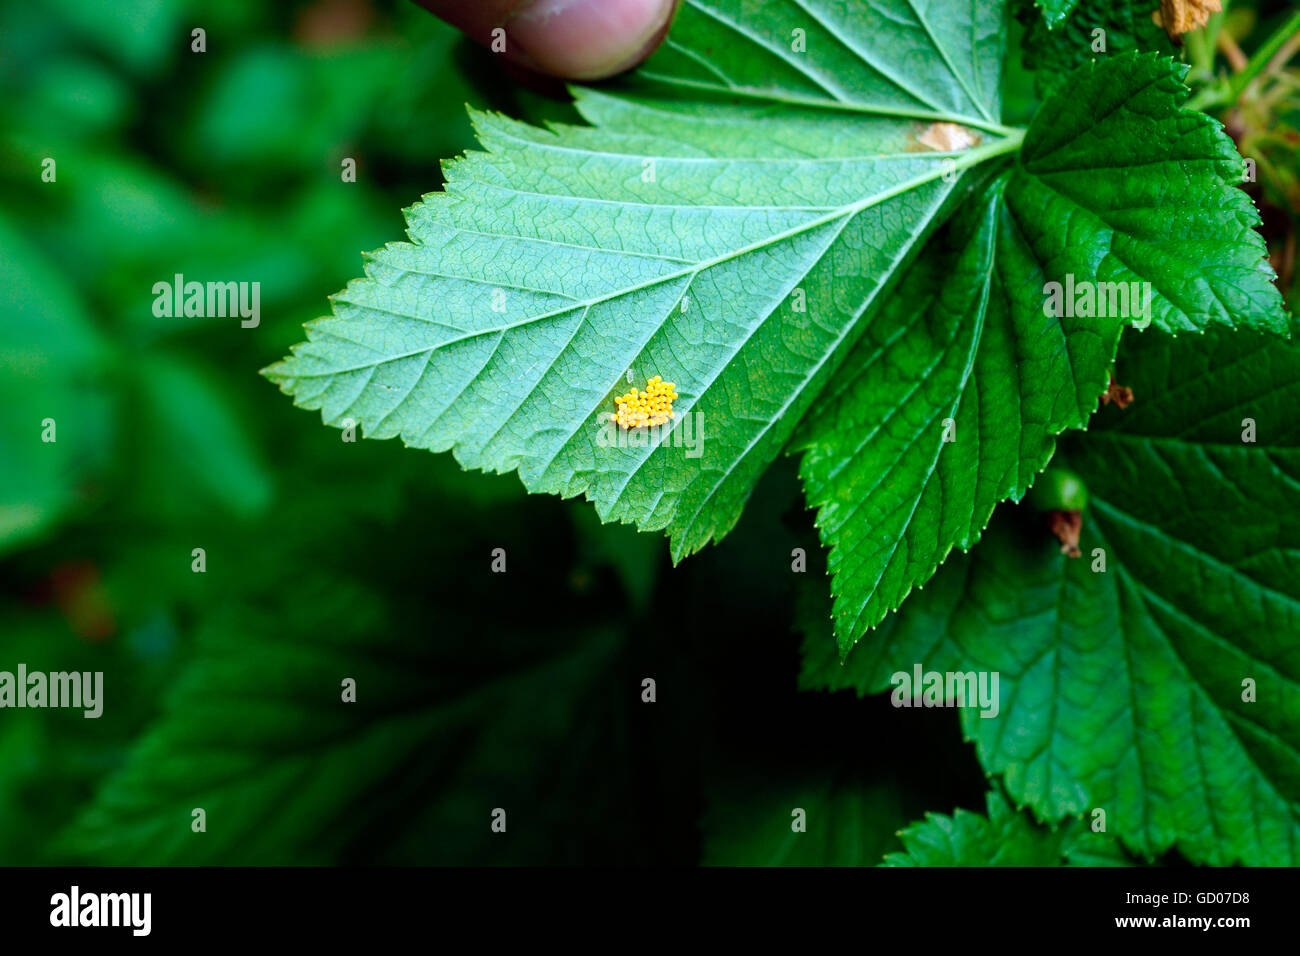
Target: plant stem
[(1283, 55), (1263, 55), (1219, 96), (1231, 52), (1200, 49)]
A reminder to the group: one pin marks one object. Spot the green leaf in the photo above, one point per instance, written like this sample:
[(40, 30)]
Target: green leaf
[(1002, 838), (727, 245), (1166, 688), (953, 397), (1084, 31)]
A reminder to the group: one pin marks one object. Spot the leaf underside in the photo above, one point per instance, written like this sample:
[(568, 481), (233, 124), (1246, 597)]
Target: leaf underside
[(728, 244), (733, 221)]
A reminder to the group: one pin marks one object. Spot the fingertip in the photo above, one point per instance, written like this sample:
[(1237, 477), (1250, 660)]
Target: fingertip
[(589, 39)]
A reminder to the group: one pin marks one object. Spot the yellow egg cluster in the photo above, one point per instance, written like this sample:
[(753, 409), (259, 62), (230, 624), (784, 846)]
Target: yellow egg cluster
[(643, 409)]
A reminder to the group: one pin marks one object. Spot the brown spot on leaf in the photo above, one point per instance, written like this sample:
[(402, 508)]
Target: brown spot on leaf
[(948, 137)]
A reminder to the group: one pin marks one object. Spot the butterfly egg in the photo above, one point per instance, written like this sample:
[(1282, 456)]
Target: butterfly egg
[(644, 408)]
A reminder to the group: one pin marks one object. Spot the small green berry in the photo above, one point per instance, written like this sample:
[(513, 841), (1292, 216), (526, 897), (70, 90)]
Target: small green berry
[(1058, 489)]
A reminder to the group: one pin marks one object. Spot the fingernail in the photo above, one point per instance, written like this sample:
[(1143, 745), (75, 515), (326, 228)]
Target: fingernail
[(589, 39)]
